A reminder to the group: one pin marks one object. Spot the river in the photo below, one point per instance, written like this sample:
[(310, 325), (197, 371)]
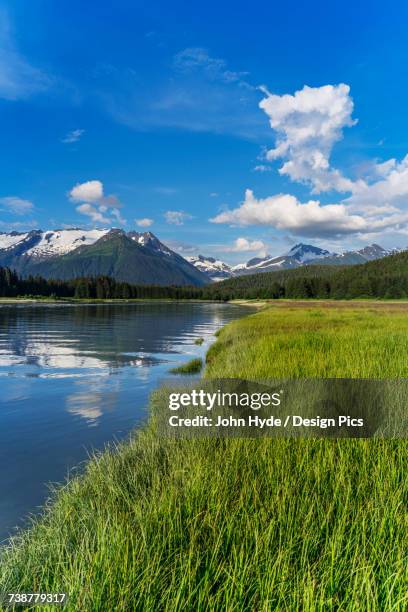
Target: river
[(76, 376)]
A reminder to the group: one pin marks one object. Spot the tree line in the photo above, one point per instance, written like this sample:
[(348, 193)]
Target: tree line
[(100, 287), (384, 278)]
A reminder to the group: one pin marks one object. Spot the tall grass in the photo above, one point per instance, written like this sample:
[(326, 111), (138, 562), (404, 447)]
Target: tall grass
[(190, 367), (232, 524), (317, 342)]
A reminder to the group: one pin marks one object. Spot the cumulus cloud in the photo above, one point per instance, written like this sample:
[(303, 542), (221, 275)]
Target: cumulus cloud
[(72, 136), (307, 125), (16, 205), (312, 219), (146, 222), (94, 204), (92, 212), (176, 217), (115, 212), (90, 191), (242, 245), (390, 188)]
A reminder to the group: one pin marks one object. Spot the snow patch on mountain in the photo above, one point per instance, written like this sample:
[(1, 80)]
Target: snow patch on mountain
[(304, 253), (375, 251), (9, 240), (60, 242), (216, 269), (148, 239)]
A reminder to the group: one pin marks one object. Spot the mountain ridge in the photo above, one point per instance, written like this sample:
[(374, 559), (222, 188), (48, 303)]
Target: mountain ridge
[(131, 257), (299, 255), (141, 257)]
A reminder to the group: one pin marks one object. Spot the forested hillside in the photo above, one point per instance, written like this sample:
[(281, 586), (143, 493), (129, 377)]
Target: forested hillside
[(383, 278)]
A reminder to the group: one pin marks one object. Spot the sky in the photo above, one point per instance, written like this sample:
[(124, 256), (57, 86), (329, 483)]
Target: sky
[(228, 129)]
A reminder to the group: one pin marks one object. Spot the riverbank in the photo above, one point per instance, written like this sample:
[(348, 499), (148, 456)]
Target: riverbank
[(256, 303), (49, 300), (161, 524)]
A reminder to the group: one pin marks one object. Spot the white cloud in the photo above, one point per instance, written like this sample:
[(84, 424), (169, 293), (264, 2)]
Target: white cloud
[(182, 247), (115, 212), (18, 78), (391, 188), (312, 219), (176, 217), (92, 212), (214, 194), (110, 201), (262, 168), (308, 124), (90, 191), (94, 204), (242, 245), (16, 205), (146, 222), (73, 136)]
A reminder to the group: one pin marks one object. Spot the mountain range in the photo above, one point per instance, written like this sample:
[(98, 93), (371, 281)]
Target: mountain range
[(141, 258), (299, 255), (134, 257)]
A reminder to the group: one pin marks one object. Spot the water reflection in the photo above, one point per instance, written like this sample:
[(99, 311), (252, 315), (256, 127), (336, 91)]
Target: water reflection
[(73, 377), (90, 399), (103, 336)]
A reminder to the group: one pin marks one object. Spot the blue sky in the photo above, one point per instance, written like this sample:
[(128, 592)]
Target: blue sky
[(225, 129)]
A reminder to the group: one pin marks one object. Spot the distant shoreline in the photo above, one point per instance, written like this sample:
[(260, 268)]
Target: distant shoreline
[(47, 300), (256, 303)]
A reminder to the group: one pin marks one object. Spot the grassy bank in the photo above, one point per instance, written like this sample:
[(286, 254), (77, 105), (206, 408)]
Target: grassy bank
[(191, 367), (315, 339), (231, 524)]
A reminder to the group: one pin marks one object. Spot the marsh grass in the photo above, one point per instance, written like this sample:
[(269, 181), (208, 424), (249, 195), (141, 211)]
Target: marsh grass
[(312, 342), (191, 367), (238, 524)]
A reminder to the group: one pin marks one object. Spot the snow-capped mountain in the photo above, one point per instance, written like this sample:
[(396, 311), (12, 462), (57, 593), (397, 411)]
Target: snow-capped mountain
[(368, 253), (52, 243), (41, 245), (129, 256), (216, 269), (298, 255), (140, 257), (148, 239), (303, 253)]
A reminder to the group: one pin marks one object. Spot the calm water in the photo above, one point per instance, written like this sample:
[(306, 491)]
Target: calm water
[(73, 377)]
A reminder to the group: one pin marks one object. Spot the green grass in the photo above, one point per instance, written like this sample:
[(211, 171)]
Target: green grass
[(314, 341), (239, 524), (191, 367)]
